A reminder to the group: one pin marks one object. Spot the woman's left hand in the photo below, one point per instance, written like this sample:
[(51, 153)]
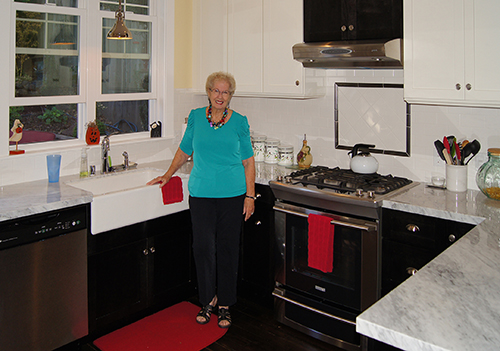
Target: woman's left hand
[(248, 207)]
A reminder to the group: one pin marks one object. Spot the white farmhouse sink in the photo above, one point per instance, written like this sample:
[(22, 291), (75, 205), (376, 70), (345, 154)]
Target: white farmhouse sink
[(121, 199)]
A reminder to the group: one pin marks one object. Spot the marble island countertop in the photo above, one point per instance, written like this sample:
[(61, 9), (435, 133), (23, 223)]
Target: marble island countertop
[(453, 303)]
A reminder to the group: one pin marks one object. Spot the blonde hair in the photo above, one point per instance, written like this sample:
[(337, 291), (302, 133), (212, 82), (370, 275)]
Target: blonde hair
[(224, 76)]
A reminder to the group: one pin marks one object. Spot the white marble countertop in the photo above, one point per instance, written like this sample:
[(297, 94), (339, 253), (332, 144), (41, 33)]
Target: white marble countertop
[(453, 303), (30, 198)]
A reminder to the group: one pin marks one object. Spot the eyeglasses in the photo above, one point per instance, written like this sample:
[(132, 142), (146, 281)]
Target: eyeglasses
[(224, 93)]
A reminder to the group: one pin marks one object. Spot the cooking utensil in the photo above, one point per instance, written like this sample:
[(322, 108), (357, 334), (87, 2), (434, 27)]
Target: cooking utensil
[(475, 147), (451, 141), (362, 162), (446, 144), (439, 148), (446, 151), (457, 152)]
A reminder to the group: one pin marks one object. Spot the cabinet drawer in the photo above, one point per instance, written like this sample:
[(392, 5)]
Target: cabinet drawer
[(409, 229), (399, 262)]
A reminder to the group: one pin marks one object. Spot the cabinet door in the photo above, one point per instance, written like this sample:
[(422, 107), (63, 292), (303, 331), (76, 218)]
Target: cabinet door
[(375, 19), (245, 44), (209, 39), (171, 263), (117, 284), (482, 53), (282, 29), (434, 50)]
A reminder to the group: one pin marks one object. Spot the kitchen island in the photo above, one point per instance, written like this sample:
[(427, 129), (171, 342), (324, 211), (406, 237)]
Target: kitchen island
[(452, 303)]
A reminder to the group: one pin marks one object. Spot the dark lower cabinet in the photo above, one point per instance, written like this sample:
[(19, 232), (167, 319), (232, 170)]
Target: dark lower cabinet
[(256, 272), (137, 269), (410, 241)]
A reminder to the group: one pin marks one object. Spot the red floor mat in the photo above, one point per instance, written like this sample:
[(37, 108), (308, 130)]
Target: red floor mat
[(171, 329)]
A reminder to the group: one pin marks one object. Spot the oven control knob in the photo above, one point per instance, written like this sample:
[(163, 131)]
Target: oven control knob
[(279, 178), (371, 194), (288, 179), (359, 192)]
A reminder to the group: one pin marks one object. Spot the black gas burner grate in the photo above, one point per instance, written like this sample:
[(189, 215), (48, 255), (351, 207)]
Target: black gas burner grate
[(346, 181)]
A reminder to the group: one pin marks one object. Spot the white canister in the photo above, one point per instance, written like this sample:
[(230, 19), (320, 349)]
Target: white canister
[(259, 147), (272, 155), (285, 155)]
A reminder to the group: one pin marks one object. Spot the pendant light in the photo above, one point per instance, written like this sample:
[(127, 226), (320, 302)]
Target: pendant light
[(64, 38), (119, 30)]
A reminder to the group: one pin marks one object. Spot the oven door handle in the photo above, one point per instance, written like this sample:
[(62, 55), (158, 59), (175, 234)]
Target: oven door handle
[(333, 221), (313, 309)]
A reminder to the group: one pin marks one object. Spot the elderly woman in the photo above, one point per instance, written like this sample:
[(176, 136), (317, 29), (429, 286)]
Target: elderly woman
[(221, 193)]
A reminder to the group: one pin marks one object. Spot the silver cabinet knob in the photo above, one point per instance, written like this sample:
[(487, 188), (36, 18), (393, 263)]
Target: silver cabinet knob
[(351, 27), (412, 228), (343, 28), (411, 270), (145, 252), (451, 238), (258, 223), (458, 86), (468, 86), (152, 249)]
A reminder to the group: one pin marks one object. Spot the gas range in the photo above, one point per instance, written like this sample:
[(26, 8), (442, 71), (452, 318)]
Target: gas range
[(339, 190)]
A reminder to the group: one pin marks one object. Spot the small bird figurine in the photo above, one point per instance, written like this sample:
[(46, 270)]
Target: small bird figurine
[(17, 135)]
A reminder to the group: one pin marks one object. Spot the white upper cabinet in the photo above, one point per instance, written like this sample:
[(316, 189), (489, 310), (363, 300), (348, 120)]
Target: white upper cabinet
[(245, 47), (451, 50), (210, 45), (252, 39), (283, 28)]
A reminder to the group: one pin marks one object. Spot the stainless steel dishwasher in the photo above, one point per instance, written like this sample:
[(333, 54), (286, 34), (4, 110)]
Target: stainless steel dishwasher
[(43, 280)]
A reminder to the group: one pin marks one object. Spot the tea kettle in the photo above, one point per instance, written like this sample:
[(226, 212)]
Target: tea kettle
[(361, 160)]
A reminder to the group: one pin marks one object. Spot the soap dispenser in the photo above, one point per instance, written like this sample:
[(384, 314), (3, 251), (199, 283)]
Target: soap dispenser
[(84, 165)]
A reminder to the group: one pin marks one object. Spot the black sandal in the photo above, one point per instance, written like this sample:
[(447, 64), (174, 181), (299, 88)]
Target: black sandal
[(224, 315), (205, 312)]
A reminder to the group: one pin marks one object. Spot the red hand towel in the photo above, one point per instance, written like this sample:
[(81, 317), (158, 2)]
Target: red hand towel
[(172, 191), (321, 234)]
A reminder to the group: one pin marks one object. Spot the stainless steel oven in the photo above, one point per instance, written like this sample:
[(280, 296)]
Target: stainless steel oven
[(325, 303), (339, 295)]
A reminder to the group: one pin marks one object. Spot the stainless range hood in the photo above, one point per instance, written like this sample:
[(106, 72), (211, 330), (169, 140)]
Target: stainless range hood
[(351, 54)]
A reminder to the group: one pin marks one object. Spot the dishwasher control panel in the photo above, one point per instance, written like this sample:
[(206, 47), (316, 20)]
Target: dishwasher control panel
[(33, 228)]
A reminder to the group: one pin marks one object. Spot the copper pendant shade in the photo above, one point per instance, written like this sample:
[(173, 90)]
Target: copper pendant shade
[(119, 30)]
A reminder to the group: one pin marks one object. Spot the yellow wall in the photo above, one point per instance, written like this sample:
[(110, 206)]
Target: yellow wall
[(183, 44)]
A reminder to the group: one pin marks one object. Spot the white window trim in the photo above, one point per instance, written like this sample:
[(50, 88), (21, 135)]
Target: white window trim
[(162, 74)]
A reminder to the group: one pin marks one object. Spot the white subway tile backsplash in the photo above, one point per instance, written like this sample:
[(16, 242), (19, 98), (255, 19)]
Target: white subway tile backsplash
[(289, 119)]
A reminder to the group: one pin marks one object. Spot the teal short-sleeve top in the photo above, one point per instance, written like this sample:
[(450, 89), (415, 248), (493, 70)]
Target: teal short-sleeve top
[(217, 155)]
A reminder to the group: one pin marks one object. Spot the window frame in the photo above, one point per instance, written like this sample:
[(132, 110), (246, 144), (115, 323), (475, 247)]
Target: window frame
[(160, 97)]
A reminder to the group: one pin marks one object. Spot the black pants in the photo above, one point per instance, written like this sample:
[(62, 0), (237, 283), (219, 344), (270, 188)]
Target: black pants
[(216, 240)]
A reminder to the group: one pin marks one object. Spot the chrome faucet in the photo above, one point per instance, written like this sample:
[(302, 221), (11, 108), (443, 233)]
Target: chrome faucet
[(104, 155), (125, 160), (105, 146)]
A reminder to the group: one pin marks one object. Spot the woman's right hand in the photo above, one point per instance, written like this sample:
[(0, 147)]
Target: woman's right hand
[(162, 180)]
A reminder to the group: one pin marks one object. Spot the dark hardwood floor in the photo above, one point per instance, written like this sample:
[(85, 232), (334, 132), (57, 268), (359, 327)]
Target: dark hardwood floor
[(254, 328)]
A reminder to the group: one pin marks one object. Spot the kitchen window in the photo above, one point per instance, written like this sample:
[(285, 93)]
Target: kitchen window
[(64, 73)]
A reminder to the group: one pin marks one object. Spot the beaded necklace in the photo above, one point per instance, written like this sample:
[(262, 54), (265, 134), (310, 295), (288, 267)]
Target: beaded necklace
[(218, 124)]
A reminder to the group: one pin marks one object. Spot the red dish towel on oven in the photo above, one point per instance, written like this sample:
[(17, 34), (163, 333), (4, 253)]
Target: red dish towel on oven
[(172, 191), (320, 242)]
